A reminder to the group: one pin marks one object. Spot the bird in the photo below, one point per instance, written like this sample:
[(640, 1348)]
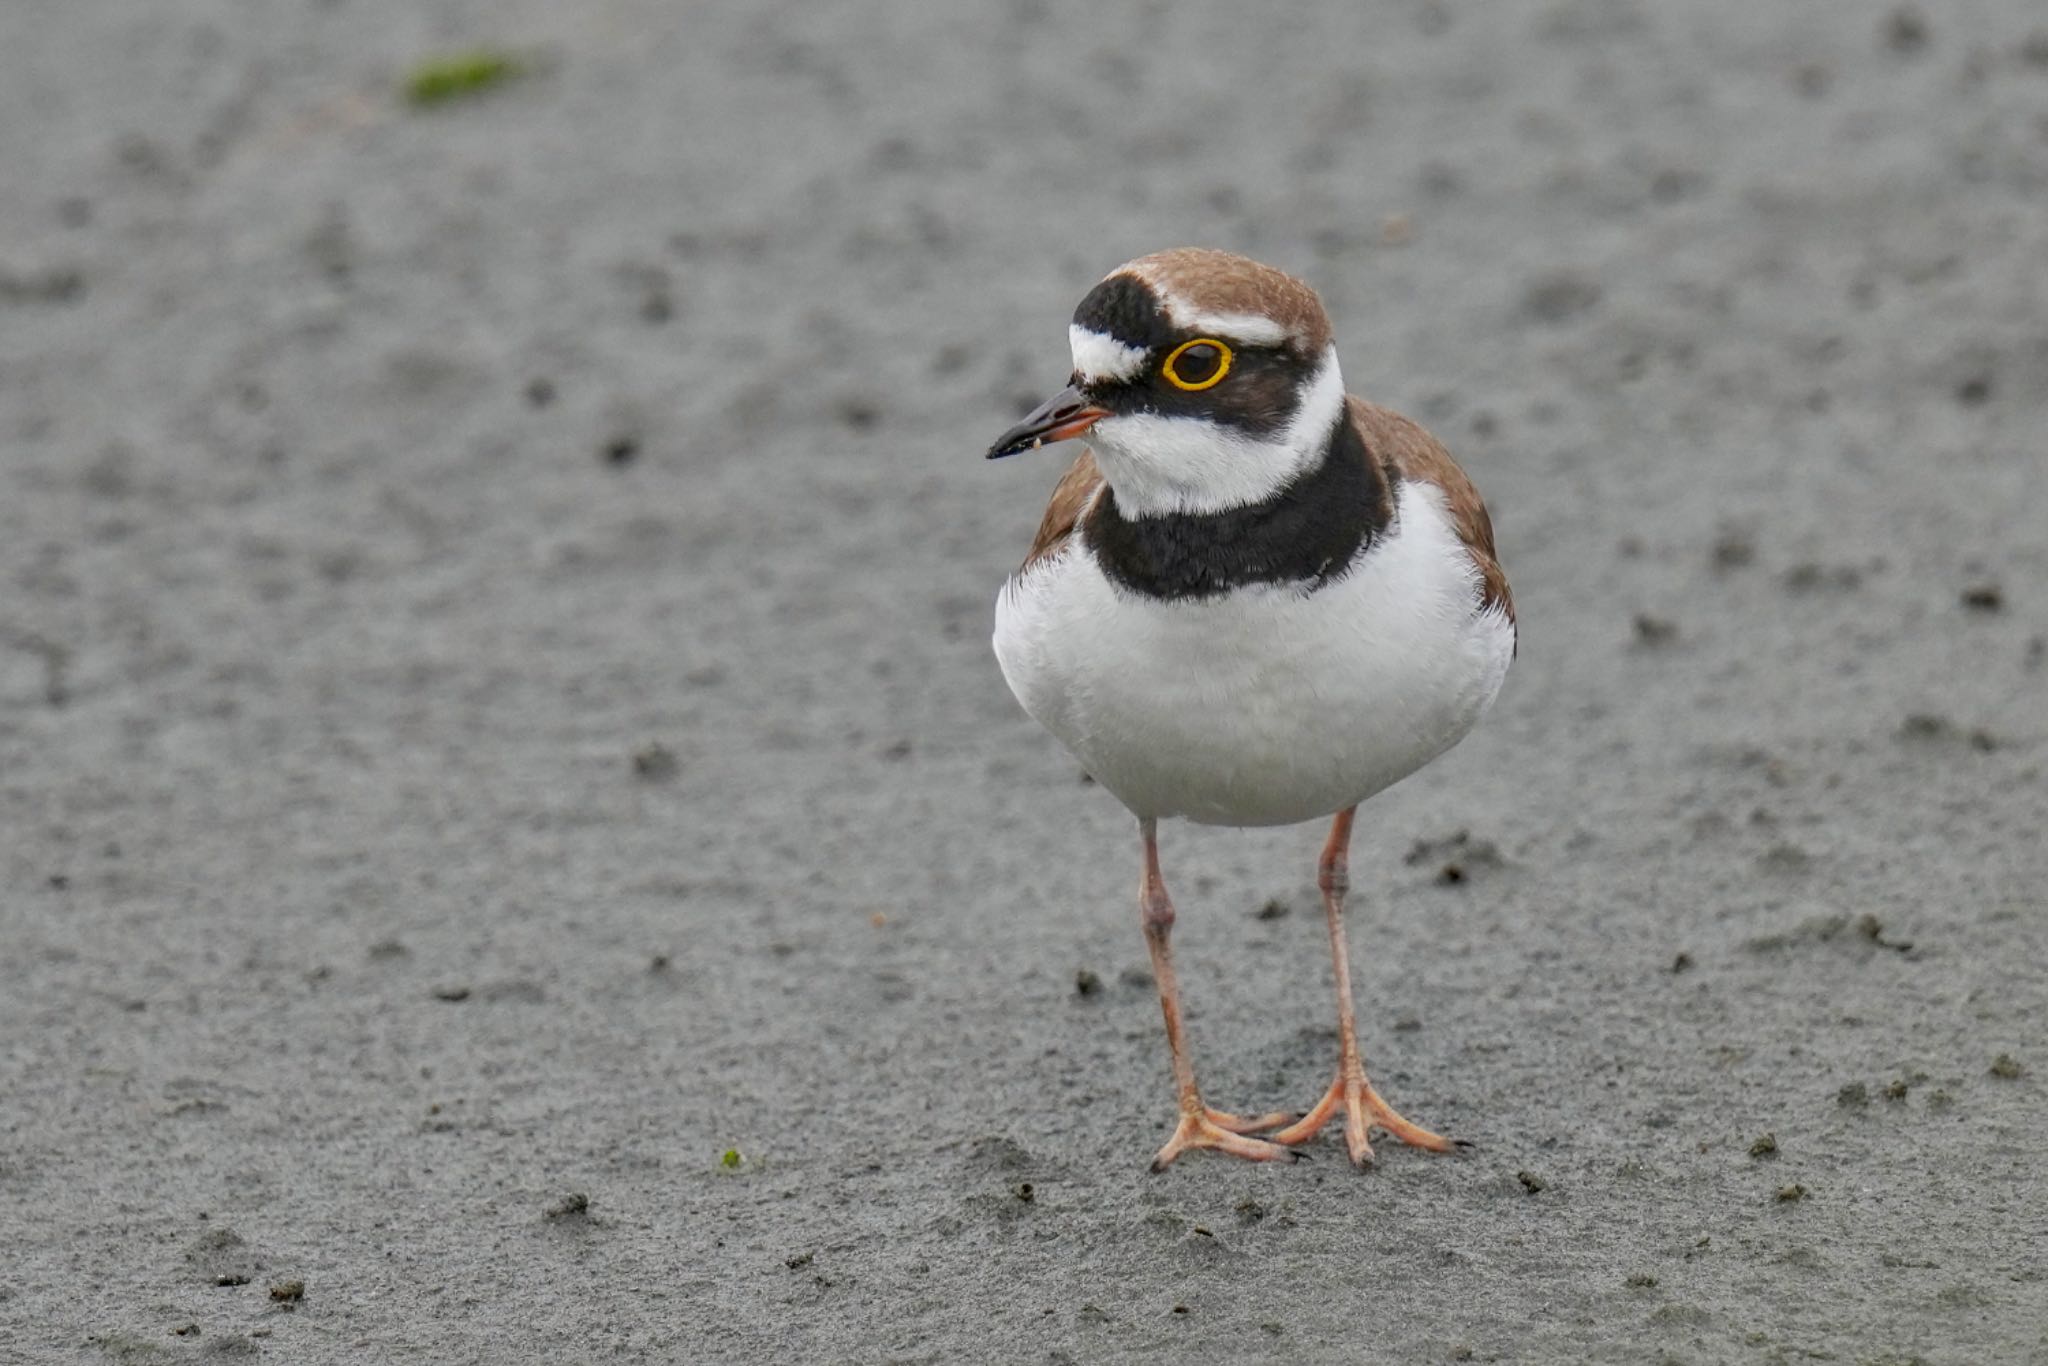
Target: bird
[(1253, 600)]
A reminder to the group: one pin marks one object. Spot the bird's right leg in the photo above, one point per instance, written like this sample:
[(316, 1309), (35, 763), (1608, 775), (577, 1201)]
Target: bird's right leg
[(1200, 1126)]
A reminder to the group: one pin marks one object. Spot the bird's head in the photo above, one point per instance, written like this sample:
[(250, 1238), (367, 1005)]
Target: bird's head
[(1205, 381)]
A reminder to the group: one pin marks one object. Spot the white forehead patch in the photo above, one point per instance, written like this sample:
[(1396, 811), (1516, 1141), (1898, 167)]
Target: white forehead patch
[(1101, 357)]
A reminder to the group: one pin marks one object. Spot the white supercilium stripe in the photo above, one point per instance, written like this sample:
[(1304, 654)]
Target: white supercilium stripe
[(1250, 328)]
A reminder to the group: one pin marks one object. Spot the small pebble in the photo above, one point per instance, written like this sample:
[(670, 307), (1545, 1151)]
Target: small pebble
[(1655, 630), (1906, 30), (571, 1206), (1733, 550), (655, 763)]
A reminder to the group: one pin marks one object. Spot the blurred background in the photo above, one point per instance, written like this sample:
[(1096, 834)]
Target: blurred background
[(509, 821)]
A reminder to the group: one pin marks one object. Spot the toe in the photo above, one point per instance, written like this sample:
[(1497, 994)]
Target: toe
[(1199, 1131)]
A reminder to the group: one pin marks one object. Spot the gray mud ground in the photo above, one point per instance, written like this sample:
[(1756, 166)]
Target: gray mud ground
[(377, 483)]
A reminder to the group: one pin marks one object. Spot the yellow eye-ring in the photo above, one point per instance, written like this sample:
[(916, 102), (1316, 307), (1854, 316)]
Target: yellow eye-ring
[(1198, 364)]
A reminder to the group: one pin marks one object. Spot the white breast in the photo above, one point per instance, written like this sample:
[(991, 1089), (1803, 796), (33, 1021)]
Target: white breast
[(1268, 705)]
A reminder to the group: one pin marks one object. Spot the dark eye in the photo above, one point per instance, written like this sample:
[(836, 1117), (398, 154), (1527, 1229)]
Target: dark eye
[(1197, 364)]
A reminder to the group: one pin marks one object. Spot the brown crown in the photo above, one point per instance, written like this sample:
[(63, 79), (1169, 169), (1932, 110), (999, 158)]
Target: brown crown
[(1222, 282)]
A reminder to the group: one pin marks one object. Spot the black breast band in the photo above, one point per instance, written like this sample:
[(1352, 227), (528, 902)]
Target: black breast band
[(1308, 533)]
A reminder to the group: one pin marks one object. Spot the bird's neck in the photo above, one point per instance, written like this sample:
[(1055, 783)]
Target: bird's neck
[(1163, 466), (1307, 532)]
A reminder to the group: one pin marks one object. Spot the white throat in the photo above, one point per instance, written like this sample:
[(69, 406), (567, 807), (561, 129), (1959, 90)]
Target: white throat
[(1163, 465)]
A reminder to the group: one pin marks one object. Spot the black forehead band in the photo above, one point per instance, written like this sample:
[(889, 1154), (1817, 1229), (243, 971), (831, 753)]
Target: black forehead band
[(1124, 307)]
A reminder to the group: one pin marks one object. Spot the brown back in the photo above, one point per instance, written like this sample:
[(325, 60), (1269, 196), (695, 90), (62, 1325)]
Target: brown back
[(1408, 450)]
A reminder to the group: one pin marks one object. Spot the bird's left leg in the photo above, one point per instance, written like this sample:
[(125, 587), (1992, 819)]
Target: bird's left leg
[(1363, 1109)]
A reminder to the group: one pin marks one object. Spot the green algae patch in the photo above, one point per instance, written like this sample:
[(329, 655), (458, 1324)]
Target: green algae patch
[(438, 80)]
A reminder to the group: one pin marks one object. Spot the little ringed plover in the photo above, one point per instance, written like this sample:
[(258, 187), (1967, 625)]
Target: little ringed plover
[(1254, 600)]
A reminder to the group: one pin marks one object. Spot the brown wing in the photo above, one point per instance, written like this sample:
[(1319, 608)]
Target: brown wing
[(1070, 498), (1414, 454)]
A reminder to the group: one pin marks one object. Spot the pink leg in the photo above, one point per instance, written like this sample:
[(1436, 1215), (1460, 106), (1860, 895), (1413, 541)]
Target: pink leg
[(1362, 1106), (1200, 1126)]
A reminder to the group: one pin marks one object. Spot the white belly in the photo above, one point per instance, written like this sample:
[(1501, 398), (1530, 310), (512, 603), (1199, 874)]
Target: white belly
[(1268, 705)]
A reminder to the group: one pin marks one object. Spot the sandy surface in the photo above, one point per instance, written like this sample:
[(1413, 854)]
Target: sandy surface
[(377, 484)]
